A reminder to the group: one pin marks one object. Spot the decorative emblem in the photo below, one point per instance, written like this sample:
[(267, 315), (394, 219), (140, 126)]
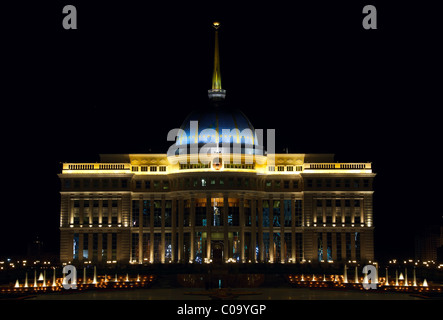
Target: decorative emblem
[(217, 163)]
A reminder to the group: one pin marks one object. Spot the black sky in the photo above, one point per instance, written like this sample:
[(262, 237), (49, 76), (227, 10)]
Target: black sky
[(131, 72)]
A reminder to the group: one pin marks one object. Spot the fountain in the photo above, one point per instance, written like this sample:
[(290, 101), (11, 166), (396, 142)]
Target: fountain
[(415, 279), (406, 277), (356, 274), (53, 278), (94, 281)]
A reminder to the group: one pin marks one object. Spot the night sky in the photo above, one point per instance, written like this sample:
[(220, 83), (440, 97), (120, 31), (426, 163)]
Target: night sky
[(132, 72)]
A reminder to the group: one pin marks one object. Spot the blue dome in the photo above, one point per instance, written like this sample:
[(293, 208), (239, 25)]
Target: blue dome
[(218, 125)]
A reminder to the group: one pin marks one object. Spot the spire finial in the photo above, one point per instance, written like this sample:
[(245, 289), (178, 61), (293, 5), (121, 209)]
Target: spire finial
[(216, 93)]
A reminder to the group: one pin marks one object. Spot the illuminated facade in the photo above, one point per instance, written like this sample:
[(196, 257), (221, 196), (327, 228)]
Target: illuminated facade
[(176, 208)]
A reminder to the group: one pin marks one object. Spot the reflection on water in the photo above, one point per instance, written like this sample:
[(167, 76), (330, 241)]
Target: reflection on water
[(264, 294)]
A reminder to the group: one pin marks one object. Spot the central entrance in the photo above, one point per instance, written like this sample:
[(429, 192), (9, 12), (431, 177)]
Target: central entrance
[(217, 251)]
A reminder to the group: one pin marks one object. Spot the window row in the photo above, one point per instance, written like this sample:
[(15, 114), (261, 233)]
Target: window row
[(338, 183), (148, 168), (92, 183), (277, 213)]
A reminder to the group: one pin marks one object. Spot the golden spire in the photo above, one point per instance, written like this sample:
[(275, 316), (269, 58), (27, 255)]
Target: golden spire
[(216, 93), (216, 77)]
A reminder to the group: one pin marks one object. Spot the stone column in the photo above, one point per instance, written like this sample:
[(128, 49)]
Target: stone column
[(140, 231), (260, 229), (209, 215), (151, 229), (174, 229), (282, 229), (162, 239), (271, 230), (226, 247), (334, 246), (192, 223), (181, 210), (242, 228), (293, 254), (253, 243)]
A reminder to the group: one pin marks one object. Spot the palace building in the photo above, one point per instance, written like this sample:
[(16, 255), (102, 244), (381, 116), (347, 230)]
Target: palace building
[(237, 203)]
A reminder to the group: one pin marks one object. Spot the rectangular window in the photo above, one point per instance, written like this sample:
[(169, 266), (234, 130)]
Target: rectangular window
[(147, 184), (157, 213), (134, 247), (299, 246), (76, 244), (337, 183), (138, 184), (328, 212), (266, 213), (338, 244), (85, 246), (290, 168), (135, 213), (168, 213), (247, 214), (67, 183), (200, 212), (157, 247), (366, 183), (104, 247), (268, 183), (286, 184), (348, 246), (319, 183), (328, 183), (266, 244), (281, 168), (276, 213), (347, 183), (288, 213), (162, 168), (153, 168), (233, 213), (146, 213), (356, 183), (94, 246), (168, 247), (114, 246), (287, 247), (298, 213), (320, 246), (309, 184), (329, 246)]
